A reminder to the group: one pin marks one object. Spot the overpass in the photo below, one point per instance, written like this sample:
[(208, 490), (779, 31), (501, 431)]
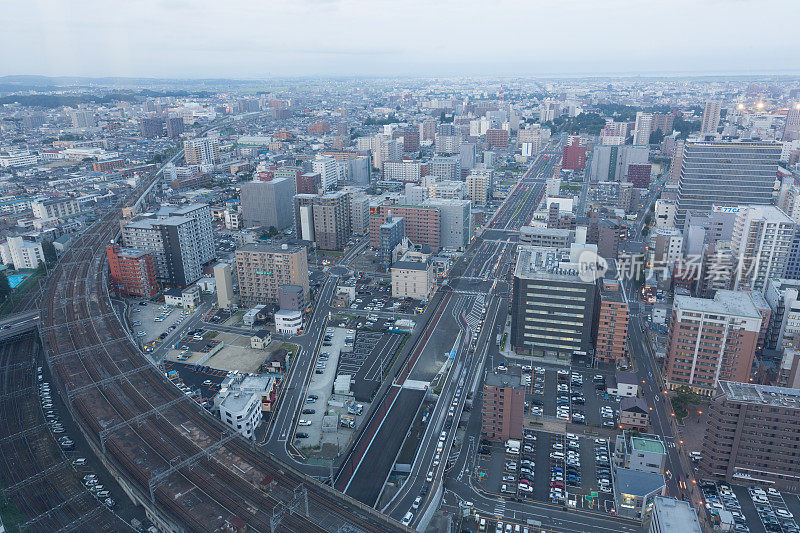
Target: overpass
[(18, 324)]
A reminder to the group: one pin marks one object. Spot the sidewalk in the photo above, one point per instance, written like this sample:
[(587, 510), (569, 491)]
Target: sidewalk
[(510, 355)]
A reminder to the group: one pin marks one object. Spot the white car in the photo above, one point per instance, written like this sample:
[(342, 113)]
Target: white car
[(407, 518), (304, 422), (416, 503), (429, 477)]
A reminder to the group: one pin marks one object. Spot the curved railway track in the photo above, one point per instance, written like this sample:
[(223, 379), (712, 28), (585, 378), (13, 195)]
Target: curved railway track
[(108, 382)]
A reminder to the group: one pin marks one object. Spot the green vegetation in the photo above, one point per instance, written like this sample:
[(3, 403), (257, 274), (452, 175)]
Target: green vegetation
[(271, 232), (685, 127), (656, 137), (49, 250), (389, 119), (13, 297), (683, 399), (590, 123)]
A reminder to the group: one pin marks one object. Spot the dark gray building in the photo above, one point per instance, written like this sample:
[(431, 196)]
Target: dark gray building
[(553, 308), (291, 298), (726, 174), (174, 126), (152, 127), (268, 203), (392, 233)]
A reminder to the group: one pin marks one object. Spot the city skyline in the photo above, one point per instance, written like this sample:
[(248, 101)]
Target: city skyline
[(182, 40)]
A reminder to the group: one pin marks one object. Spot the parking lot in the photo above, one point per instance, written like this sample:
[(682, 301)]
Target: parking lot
[(568, 469), (384, 302), (152, 323), (578, 396)]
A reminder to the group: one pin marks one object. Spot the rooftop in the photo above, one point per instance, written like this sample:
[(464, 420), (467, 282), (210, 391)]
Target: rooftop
[(496, 379), (637, 483), (761, 394), (724, 303), (676, 515), (649, 445), (271, 248), (539, 262)]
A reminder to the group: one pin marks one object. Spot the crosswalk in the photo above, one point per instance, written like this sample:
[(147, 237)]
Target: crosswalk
[(475, 315), (500, 508)]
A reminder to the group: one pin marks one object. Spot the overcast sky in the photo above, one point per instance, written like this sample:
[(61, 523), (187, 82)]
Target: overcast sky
[(257, 39)]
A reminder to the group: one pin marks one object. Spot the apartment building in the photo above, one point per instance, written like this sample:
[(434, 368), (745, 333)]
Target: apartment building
[(455, 219), (643, 128), (711, 116), (324, 219), (711, 340), (422, 224), (262, 269), (133, 272), (761, 242), (21, 253), (180, 239), (612, 323), (55, 207), (479, 186), (752, 436), (502, 407), (671, 515), (202, 151)]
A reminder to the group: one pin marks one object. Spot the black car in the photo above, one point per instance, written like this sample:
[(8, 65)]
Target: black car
[(301, 435), (309, 411), (424, 490)]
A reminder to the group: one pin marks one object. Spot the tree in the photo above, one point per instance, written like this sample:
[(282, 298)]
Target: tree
[(5, 287), (49, 250), (656, 137), (684, 397)]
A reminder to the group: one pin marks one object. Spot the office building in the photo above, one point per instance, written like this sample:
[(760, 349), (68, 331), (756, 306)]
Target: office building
[(761, 242), (711, 340), (223, 279), (391, 232), (548, 111), (752, 436), (133, 272), (546, 237), (635, 491), (262, 269), (711, 116), (243, 398), (455, 222), (640, 451), (553, 306), (174, 127), (21, 253), (55, 207), (413, 278), (642, 129), (726, 174), (180, 239), (416, 194), (611, 163), (446, 190), (422, 224), (202, 151), (497, 138), (308, 182), (359, 214), (268, 203), (502, 407), (612, 323), (292, 298), (445, 167), (671, 515), (665, 213), (791, 128)]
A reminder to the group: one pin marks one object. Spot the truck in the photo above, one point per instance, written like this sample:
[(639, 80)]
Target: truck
[(347, 421), (512, 446)]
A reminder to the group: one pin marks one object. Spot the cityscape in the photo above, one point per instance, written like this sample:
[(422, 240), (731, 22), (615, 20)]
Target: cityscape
[(359, 295)]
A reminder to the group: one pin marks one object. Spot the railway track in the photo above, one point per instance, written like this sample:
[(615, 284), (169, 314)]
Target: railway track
[(200, 478)]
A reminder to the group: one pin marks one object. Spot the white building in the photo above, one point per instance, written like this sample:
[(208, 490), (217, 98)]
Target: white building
[(241, 401), (406, 171), (413, 279), (455, 222), (670, 515), (17, 158), (21, 253), (479, 185), (288, 322), (762, 239), (55, 207), (643, 128), (329, 170), (665, 212)]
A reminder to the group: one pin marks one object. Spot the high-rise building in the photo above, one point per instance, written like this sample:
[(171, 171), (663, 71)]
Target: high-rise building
[(612, 323), (643, 128), (497, 138), (751, 435), (268, 203), (223, 279), (408, 171), (133, 272), (359, 214), (663, 122), (262, 269), (392, 232), (455, 219), (152, 127), (82, 118), (676, 164), (180, 239), (309, 183), (502, 407), (761, 242), (791, 129), (711, 340), (422, 223), (55, 207), (611, 163), (553, 305), (447, 144), (386, 150), (411, 140), (174, 126), (479, 186), (726, 174), (639, 175), (202, 151), (711, 116), (323, 219), (445, 167), (329, 170), (573, 155), (548, 111)]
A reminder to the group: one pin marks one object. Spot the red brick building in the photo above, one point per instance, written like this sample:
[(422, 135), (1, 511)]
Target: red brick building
[(502, 408), (497, 138), (319, 127), (108, 165), (612, 323), (573, 155), (639, 175), (411, 140), (133, 272), (421, 223), (309, 183)]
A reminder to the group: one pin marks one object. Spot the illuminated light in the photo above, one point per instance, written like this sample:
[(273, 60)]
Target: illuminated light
[(760, 105), (740, 106)]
